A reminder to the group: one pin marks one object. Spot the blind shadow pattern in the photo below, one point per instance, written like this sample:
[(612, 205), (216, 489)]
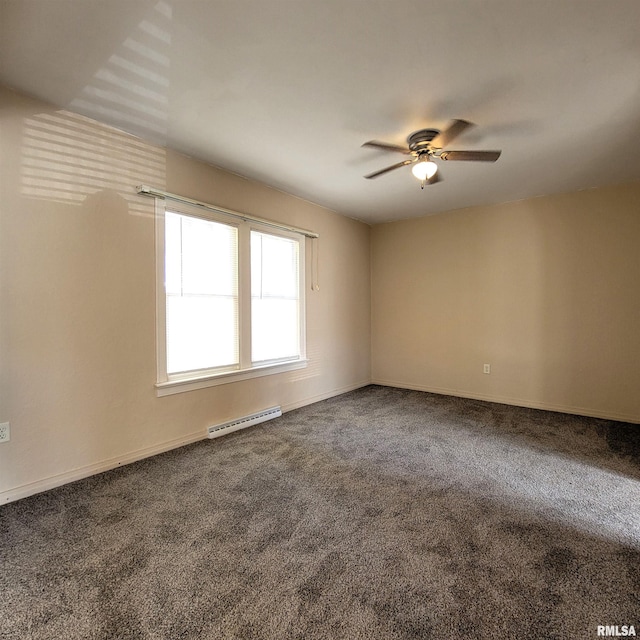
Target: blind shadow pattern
[(67, 157)]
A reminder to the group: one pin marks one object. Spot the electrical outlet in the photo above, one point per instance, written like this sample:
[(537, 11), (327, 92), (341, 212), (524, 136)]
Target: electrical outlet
[(5, 432), (486, 368)]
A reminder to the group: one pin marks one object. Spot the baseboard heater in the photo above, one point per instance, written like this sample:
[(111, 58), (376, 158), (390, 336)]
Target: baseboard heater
[(241, 423)]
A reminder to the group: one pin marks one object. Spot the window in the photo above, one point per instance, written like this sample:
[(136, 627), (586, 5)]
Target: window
[(230, 299), (275, 297), (201, 287)]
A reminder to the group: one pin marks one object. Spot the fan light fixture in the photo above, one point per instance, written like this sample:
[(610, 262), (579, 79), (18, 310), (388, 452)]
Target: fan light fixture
[(426, 145), (424, 169)]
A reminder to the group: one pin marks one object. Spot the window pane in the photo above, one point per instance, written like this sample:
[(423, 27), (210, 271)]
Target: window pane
[(275, 329), (275, 324), (209, 261), (274, 266), (201, 260), (201, 332)]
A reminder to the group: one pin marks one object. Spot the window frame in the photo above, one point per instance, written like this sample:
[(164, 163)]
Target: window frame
[(167, 384)]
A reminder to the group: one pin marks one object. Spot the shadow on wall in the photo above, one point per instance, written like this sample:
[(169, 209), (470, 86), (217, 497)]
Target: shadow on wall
[(79, 282), (67, 157)]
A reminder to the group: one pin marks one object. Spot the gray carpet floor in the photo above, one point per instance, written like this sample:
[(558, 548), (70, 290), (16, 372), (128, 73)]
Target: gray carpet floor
[(378, 514)]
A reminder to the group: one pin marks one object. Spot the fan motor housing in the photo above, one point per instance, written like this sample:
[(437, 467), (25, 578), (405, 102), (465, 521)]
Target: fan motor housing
[(420, 140)]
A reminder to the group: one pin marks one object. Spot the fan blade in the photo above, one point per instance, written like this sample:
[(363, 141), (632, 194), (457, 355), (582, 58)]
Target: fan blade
[(386, 146), (445, 137), (479, 156), (391, 168)]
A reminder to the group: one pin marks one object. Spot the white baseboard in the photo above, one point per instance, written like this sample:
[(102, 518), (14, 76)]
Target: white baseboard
[(518, 402), (52, 482), (324, 396), (26, 490)]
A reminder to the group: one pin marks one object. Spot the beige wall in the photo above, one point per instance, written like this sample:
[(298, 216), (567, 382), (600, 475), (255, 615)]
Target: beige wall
[(547, 291), (77, 299)]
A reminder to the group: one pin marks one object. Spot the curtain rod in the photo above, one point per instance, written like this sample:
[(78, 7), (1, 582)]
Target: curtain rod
[(157, 193)]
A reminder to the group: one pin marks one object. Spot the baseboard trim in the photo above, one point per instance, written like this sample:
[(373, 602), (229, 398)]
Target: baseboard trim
[(32, 488), (324, 396), (26, 490), (518, 402)]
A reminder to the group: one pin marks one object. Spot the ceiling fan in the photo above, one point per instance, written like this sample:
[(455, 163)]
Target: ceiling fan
[(428, 144)]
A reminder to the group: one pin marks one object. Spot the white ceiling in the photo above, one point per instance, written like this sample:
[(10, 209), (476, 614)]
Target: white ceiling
[(286, 91)]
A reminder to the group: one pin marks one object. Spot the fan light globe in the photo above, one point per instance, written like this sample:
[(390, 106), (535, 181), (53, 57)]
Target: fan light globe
[(424, 169)]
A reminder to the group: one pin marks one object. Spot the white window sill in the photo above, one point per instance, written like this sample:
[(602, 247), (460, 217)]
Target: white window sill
[(181, 385)]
